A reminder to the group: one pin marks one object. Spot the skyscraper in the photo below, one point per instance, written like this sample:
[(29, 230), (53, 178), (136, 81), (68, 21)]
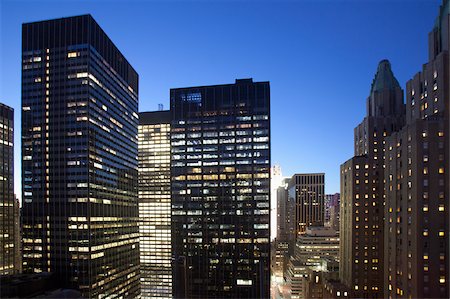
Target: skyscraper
[(154, 204), (79, 152), (417, 181), (362, 188), (220, 143), (285, 213), (9, 208), (307, 192)]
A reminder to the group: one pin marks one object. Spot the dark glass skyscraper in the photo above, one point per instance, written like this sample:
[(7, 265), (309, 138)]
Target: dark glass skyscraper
[(220, 169), (9, 209), (79, 151)]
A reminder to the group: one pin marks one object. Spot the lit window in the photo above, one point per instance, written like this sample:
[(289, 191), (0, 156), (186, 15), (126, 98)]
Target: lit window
[(72, 54)]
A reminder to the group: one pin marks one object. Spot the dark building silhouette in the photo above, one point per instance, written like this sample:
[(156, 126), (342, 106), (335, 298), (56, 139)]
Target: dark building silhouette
[(9, 207), (35, 285), (220, 174), (79, 151), (155, 205), (417, 257), (362, 188)]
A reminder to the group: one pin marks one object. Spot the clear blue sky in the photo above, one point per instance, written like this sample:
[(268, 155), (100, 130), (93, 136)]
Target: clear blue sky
[(319, 56)]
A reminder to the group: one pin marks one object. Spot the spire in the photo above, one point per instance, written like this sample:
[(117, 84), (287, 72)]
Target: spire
[(384, 78)]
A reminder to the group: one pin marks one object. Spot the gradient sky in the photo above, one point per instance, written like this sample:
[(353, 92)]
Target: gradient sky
[(319, 56)]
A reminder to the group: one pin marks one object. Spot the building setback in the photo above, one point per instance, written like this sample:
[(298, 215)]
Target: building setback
[(9, 207), (362, 188), (154, 204), (417, 181), (307, 193), (79, 153), (220, 180)]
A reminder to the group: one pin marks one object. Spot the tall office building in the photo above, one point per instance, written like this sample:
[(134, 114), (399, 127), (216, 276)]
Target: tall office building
[(220, 173), (307, 192), (417, 180), (9, 208), (79, 158), (154, 204), (362, 188)]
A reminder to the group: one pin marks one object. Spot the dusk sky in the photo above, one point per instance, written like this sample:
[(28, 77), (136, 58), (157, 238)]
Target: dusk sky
[(319, 56)]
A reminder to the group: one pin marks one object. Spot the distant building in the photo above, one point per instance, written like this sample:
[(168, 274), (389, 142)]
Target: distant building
[(220, 182), (312, 248), (9, 207), (276, 180), (307, 191), (154, 204), (332, 208), (285, 213)]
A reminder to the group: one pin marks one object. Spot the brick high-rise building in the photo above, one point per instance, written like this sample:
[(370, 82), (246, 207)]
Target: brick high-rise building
[(79, 158), (417, 180), (362, 188)]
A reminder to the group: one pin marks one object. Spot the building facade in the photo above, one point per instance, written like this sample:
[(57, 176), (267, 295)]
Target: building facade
[(285, 213), (220, 174), (332, 209), (154, 204), (9, 207), (307, 192), (362, 188), (417, 180), (79, 158), (315, 245)]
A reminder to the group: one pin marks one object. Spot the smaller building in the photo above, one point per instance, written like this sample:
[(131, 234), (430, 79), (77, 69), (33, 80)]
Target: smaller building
[(307, 193), (314, 251), (332, 209)]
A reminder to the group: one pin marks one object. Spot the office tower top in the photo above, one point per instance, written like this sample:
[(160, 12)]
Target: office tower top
[(385, 113), (220, 179), (79, 153), (245, 98), (386, 95), (77, 31), (9, 208)]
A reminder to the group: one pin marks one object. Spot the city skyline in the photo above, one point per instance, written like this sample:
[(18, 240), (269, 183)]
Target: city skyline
[(290, 63)]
